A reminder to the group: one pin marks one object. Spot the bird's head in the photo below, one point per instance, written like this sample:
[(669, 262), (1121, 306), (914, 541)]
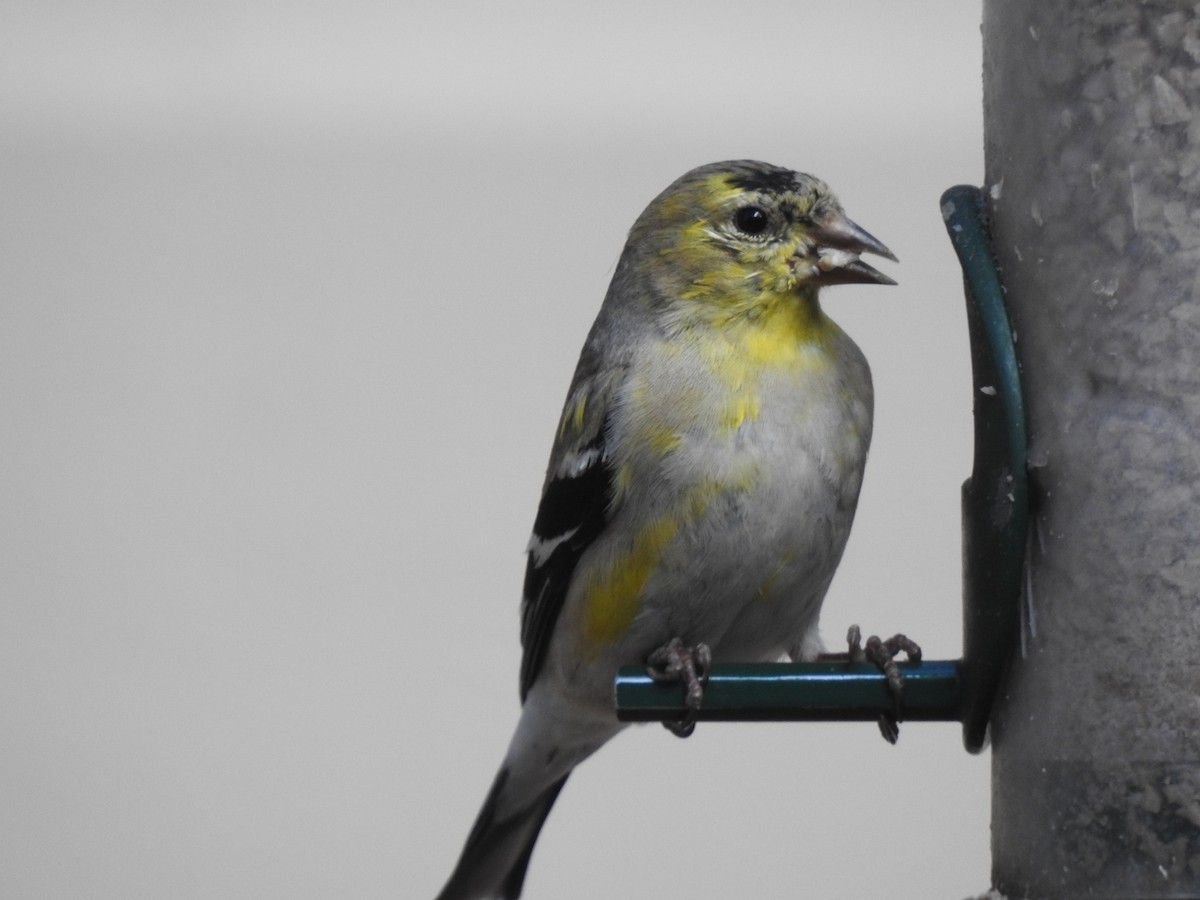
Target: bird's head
[(737, 234)]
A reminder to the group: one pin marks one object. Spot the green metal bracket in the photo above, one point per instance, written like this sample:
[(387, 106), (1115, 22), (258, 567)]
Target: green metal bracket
[(996, 497), (995, 507)]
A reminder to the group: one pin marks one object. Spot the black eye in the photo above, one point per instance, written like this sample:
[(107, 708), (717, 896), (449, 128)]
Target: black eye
[(750, 220)]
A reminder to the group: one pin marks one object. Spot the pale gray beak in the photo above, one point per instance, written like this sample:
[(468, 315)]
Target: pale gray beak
[(838, 242)]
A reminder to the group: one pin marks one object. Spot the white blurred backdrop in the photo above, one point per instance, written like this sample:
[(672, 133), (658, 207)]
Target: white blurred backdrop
[(290, 295)]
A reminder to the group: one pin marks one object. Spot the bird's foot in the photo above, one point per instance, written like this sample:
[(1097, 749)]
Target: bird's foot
[(882, 654), (674, 662)]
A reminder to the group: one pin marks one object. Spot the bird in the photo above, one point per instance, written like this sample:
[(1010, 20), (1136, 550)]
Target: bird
[(702, 483)]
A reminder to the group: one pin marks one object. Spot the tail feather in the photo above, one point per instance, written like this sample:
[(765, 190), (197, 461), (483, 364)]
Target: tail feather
[(496, 855)]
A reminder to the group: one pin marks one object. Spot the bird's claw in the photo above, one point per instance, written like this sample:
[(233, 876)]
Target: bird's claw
[(676, 663), (882, 654)]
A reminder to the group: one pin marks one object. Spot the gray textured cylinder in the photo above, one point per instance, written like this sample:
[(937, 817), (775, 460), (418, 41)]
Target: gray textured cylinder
[(1092, 112)]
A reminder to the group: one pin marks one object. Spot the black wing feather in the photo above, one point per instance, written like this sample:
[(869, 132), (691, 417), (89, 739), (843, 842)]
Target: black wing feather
[(580, 502)]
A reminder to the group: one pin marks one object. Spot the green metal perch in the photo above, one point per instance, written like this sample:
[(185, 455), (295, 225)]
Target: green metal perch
[(797, 692)]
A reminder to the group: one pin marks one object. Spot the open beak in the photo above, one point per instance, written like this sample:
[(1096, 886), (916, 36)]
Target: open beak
[(838, 243)]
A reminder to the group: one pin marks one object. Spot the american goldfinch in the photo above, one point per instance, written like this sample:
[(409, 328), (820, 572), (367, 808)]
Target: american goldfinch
[(703, 478)]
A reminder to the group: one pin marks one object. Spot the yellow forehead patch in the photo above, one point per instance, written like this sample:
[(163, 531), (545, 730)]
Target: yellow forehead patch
[(720, 191)]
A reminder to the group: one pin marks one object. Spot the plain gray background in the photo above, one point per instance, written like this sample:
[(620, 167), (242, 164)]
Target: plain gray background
[(291, 295)]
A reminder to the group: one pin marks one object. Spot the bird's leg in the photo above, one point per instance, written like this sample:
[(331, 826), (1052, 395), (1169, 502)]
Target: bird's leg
[(882, 654), (675, 662)]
